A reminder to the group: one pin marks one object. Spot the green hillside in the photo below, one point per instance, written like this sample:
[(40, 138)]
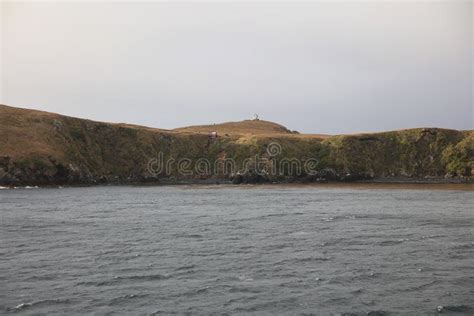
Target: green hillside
[(40, 148)]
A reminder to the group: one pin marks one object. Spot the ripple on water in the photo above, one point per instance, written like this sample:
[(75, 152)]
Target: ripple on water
[(40, 303)]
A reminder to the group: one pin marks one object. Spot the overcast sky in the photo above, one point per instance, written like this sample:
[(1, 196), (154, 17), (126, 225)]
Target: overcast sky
[(321, 67)]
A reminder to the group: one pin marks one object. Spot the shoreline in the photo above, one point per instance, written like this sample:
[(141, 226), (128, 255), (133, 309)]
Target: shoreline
[(380, 183)]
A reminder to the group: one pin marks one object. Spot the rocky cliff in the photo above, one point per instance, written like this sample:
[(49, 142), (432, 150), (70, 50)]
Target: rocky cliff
[(40, 148)]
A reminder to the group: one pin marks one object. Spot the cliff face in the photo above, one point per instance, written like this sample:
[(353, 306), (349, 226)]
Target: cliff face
[(39, 148)]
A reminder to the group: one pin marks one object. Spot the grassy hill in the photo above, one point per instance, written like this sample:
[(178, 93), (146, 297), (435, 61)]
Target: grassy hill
[(247, 127), (39, 148)]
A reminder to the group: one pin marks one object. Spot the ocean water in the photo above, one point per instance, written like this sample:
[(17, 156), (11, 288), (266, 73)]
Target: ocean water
[(322, 250)]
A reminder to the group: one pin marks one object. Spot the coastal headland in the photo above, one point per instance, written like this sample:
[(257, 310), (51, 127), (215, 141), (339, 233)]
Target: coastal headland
[(42, 148)]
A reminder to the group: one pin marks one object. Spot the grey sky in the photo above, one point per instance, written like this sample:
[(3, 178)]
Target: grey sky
[(321, 67)]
